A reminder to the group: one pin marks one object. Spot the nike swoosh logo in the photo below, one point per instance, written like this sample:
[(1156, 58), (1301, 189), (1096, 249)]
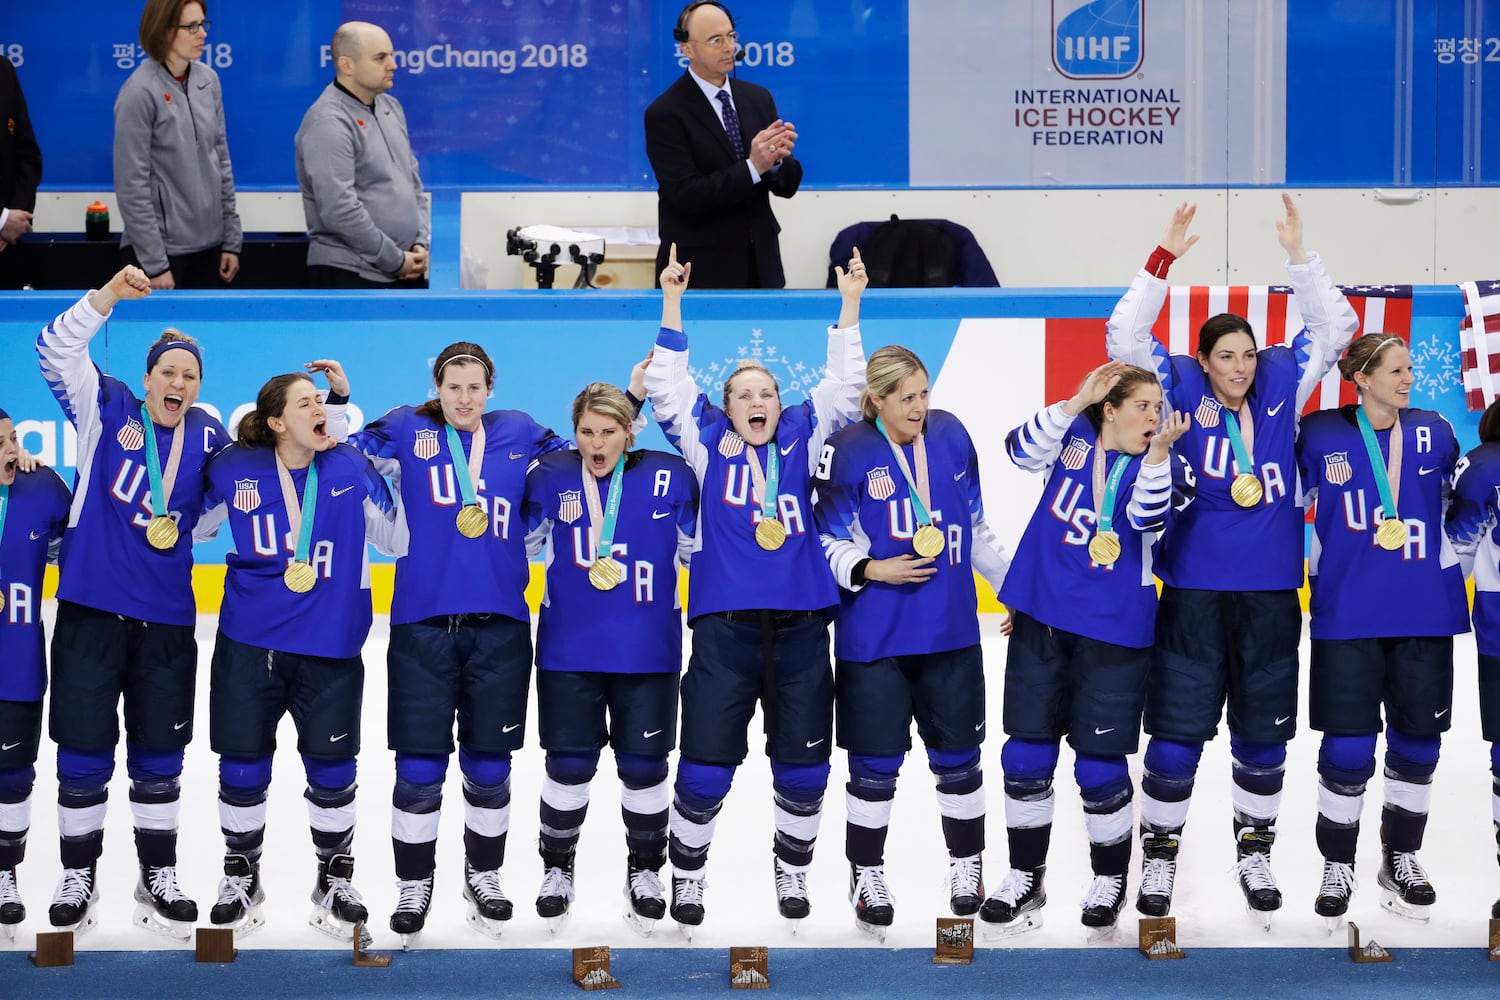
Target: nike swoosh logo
[(813, 743), (1283, 720), (335, 739), (9, 746), (978, 727), (1424, 471), (654, 732), (1275, 409), (657, 515), (340, 492), (789, 449), (510, 728), (1439, 715), (959, 475), (1101, 732), (36, 534), (517, 454), (180, 724)]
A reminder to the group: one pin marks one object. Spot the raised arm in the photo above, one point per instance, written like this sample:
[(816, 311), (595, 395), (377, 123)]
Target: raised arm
[(675, 400), (1328, 320), (1128, 332), (1035, 445), (835, 399), (63, 346)]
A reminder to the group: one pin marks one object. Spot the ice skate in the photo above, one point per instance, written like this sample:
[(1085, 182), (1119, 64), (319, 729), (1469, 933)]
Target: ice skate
[(645, 896), (74, 900), (1334, 894), (160, 907), (1253, 872), (1158, 873), (413, 900), (687, 902), (1101, 906), (489, 908), (965, 885), (337, 905), (12, 910), (1405, 890), (240, 896), (791, 894), (1016, 906), (874, 907), (556, 894)]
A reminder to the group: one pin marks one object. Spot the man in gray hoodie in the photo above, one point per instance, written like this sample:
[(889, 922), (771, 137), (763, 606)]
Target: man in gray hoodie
[(367, 219)]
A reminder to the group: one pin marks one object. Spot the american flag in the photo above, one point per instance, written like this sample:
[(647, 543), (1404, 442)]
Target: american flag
[(246, 494), (569, 506), (426, 445), (1481, 355), (1336, 468), (879, 483), (1073, 455), (132, 437)]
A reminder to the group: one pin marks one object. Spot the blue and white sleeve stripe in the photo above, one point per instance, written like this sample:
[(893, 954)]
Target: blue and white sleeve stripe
[(1035, 445)]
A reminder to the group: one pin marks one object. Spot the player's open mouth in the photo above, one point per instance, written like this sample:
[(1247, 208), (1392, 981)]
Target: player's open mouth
[(171, 403), (320, 428), (757, 421), (597, 458), (10, 466)]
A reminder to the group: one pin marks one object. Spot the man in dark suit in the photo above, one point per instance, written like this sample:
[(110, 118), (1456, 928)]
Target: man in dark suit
[(20, 173), (719, 152)]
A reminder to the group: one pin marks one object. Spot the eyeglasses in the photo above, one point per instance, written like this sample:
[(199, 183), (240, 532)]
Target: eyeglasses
[(719, 41), (196, 28)]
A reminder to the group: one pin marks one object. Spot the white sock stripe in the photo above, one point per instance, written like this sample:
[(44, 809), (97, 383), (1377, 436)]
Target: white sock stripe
[(414, 828), (15, 816), (155, 815), (964, 805), (1495, 807), (487, 822), (1408, 795), (870, 815), (647, 801), (1262, 808), (242, 819), (800, 827), (1028, 814), (564, 798), (1159, 815), (692, 835), (326, 820), (78, 822), (1109, 828), (1341, 809)]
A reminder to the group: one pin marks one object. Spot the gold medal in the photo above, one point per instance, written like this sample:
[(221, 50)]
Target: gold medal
[(1391, 535), (1104, 548), (300, 577), (161, 532), (928, 541), (770, 535), (471, 521), (1246, 490), (2, 602), (606, 573)]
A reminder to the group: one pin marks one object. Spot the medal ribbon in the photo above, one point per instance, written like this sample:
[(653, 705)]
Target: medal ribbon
[(161, 484), (1104, 493), (1244, 446), (767, 483), (920, 489), (300, 516), (1387, 474), (602, 524), (4, 509), (467, 471)]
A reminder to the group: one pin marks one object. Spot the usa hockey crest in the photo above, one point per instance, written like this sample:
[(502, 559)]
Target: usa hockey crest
[(731, 444), (1336, 468), (569, 506), (426, 445), (1075, 453), (1208, 411), (879, 483), (131, 437), (246, 494)]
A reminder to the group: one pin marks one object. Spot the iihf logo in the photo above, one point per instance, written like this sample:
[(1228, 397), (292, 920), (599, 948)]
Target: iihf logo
[(1097, 39)]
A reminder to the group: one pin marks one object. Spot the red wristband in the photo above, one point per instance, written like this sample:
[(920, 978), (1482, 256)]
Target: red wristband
[(1159, 262)]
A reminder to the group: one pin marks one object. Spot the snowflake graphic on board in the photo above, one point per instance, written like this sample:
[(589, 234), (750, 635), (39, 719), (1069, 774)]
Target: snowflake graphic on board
[(796, 378), (1435, 368)]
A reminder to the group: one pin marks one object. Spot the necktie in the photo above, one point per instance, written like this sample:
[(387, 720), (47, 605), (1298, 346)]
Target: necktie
[(732, 124)]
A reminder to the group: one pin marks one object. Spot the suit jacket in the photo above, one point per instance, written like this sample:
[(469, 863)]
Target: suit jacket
[(20, 156), (706, 202)]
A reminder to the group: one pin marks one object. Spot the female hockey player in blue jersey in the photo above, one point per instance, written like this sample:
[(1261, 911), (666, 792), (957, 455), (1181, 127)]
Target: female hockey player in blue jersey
[(460, 644), (1228, 627), (902, 524), (125, 609), (1387, 599), (296, 613), (616, 524), (1082, 600), (760, 594), (33, 512), (1472, 519)]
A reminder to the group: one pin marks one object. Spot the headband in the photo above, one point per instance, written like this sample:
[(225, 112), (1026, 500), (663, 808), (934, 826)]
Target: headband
[(489, 373), (163, 346), (1368, 361)]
